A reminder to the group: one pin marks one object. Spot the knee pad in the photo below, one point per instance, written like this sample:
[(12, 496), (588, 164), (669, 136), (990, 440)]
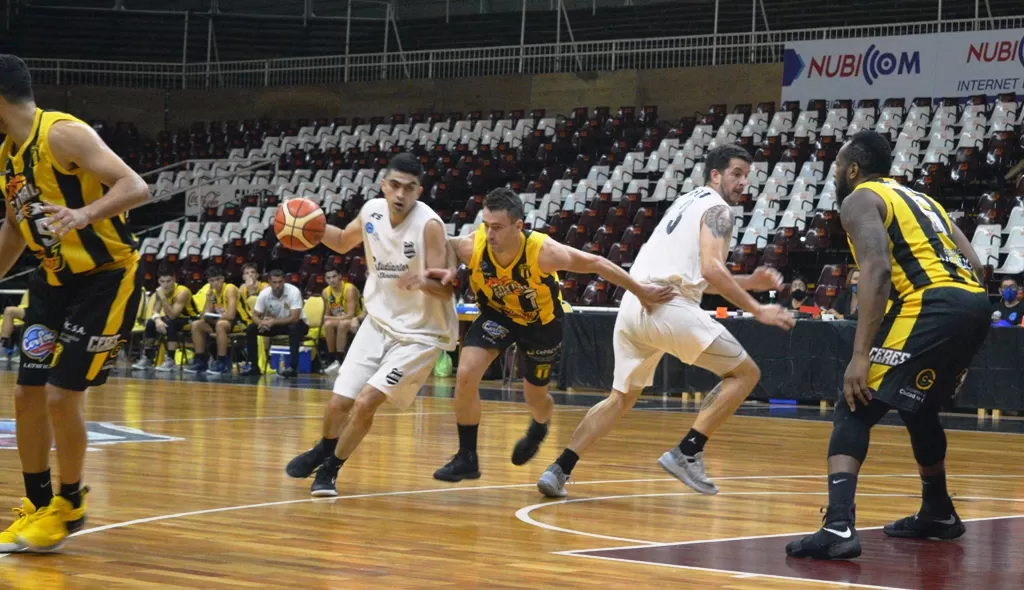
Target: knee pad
[(850, 434), (927, 438)]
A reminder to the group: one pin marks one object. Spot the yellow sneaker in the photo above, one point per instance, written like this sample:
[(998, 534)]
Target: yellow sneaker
[(48, 528), (9, 538)]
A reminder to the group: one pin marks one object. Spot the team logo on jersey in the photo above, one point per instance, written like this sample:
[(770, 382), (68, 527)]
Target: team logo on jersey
[(38, 342), (409, 249), (14, 185), (394, 377), (525, 271)]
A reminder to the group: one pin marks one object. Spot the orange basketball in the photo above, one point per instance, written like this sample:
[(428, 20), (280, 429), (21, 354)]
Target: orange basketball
[(299, 224)]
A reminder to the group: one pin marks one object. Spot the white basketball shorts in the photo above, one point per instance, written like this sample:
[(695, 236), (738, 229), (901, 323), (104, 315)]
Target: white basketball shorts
[(395, 368), (679, 328)]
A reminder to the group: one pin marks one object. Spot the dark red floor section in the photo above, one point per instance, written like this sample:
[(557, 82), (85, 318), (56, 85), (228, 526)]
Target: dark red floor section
[(989, 557)]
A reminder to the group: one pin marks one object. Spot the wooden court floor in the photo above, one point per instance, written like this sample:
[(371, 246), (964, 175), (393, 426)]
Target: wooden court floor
[(189, 491)]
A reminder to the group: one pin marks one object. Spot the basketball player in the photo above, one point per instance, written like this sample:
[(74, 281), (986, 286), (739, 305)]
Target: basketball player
[(173, 309), (66, 194), (221, 313), (410, 318), (343, 313), (686, 251), (515, 276), (923, 315)]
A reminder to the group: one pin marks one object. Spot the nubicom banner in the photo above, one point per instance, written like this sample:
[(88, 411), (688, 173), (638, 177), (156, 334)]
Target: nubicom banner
[(946, 65)]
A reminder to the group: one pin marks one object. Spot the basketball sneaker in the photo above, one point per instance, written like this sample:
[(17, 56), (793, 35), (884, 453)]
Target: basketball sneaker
[(324, 483), (168, 365), (927, 526), (333, 368), (198, 366), (49, 528), (528, 446), (9, 538), (837, 538), (689, 470), (143, 364), (462, 466), (304, 464), (552, 482)]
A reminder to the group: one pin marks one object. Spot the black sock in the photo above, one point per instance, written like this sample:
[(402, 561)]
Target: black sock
[(333, 462), (38, 488), (327, 446), (692, 443), (72, 492), (842, 487), (567, 461), (537, 431), (223, 359), (339, 356), (5, 342), (934, 497), (467, 438), (150, 353)]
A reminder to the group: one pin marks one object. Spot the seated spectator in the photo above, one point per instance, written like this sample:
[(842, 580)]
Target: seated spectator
[(801, 300), (845, 305), (1008, 307), (278, 312), (343, 311), (172, 311)]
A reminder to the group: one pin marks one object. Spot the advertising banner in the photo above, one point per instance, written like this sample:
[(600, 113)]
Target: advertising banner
[(220, 193), (942, 65)]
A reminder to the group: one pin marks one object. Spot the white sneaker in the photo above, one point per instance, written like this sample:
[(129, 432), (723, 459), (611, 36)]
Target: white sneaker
[(333, 368), (168, 365), (143, 363)]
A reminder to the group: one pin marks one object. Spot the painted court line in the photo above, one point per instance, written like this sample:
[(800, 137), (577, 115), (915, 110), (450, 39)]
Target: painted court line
[(523, 514), (309, 417)]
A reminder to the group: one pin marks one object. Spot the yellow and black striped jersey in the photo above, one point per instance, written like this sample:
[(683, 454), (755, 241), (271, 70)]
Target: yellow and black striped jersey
[(32, 179)]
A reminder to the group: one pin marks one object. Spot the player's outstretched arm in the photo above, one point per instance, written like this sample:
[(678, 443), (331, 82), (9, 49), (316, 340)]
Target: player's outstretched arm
[(12, 243), (863, 214), (555, 257), (459, 249), (77, 148), (343, 240)]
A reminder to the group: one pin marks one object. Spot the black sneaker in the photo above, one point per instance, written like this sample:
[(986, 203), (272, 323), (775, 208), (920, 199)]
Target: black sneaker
[(289, 373), (462, 466), (306, 463), (926, 526), (526, 448), (324, 483), (837, 538)]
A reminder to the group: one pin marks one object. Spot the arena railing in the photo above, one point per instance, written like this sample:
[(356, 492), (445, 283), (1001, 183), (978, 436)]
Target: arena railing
[(588, 56)]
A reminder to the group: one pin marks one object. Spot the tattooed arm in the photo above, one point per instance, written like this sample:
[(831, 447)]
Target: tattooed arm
[(715, 233)]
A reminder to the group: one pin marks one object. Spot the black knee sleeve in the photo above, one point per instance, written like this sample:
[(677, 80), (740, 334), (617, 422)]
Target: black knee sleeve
[(851, 431), (927, 437), (150, 333)]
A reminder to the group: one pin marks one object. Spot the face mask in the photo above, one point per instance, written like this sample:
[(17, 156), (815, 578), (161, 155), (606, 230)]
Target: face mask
[(853, 288), (1009, 294), (799, 294)]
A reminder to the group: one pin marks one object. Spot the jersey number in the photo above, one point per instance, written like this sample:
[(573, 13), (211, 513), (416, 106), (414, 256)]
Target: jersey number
[(671, 226), (926, 208), (43, 229)]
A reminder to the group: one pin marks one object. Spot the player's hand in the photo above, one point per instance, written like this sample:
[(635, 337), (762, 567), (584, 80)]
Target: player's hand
[(651, 295), (765, 278), (855, 382), (160, 326), (444, 275), (412, 280), (775, 315), (61, 220), (355, 325)]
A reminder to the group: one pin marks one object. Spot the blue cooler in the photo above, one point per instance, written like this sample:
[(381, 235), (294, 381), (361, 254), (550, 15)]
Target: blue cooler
[(279, 357)]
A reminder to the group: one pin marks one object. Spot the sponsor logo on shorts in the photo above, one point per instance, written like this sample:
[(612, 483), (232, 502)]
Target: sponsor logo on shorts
[(409, 249), (544, 354), (38, 342), (112, 355), (494, 329), (925, 379), (917, 396), (394, 377), (102, 343), (74, 329), (888, 357)]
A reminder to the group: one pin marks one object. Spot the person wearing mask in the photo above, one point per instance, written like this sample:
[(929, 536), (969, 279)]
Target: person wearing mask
[(800, 299), (845, 305), (1008, 307)]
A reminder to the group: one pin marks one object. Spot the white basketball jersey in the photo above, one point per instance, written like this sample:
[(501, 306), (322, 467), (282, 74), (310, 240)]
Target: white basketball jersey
[(391, 251), (671, 256)]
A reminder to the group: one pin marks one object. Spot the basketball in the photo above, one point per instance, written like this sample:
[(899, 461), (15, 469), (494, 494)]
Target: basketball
[(299, 224)]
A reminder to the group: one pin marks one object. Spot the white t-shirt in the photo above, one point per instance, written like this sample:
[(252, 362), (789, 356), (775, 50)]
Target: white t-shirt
[(280, 307), (671, 256), (390, 252)]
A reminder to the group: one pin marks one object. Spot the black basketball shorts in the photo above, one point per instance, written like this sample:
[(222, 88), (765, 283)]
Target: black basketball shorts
[(539, 343), (924, 346), (74, 332)]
